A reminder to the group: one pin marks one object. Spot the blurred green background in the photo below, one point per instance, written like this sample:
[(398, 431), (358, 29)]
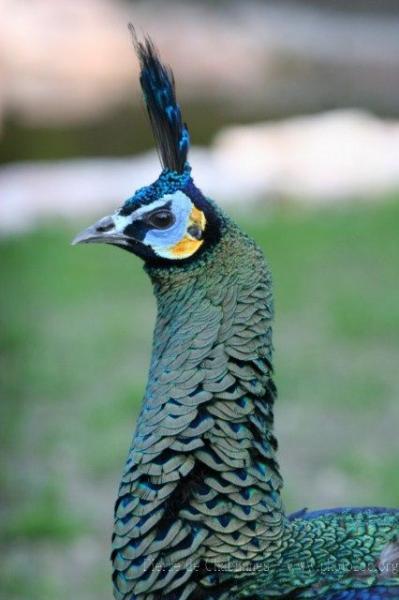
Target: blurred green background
[(76, 328)]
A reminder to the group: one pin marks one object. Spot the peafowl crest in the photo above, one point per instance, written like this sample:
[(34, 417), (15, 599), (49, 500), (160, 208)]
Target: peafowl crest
[(171, 135), (199, 512)]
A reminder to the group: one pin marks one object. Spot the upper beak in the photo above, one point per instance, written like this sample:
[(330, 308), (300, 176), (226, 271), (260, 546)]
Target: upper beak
[(104, 231)]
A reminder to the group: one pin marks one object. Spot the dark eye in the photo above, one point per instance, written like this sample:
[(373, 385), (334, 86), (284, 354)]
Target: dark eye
[(161, 219)]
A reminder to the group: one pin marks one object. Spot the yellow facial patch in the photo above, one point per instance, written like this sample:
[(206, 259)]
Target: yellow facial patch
[(197, 217), (189, 244)]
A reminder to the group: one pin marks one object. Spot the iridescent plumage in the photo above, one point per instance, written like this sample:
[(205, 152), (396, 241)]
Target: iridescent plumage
[(199, 513)]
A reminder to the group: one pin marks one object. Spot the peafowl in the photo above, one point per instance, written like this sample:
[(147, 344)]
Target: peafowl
[(199, 513)]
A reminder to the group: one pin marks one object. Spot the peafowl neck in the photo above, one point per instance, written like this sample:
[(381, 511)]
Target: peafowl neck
[(201, 484)]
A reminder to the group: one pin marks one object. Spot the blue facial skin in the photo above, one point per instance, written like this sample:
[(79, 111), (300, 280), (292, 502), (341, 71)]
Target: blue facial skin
[(181, 206), (180, 193)]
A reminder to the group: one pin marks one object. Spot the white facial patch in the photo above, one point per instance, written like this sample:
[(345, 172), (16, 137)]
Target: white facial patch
[(180, 206), (122, 221)]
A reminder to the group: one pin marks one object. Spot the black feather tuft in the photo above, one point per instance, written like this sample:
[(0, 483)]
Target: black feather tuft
[(157, 82)]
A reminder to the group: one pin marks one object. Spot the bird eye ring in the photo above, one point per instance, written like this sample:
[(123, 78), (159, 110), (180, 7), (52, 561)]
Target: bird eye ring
[(161, 219)]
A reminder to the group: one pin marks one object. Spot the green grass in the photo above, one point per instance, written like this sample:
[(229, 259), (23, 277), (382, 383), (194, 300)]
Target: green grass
[(75, 342)]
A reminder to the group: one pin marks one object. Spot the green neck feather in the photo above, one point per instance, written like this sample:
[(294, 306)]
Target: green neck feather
[(201, 484), (199, 513)]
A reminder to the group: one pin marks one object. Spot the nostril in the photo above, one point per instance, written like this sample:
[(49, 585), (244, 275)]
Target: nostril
[(105, 224)]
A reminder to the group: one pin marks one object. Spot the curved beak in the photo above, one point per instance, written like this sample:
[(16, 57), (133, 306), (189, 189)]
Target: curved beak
[(102, 232)]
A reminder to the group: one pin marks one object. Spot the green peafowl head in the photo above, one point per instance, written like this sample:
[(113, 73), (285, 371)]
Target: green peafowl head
[(169, 221)]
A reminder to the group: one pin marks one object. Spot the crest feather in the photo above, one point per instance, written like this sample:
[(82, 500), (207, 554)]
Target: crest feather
[(157, 82)]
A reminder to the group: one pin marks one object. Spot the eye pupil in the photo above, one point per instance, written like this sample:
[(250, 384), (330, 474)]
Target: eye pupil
[(161, 219)]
